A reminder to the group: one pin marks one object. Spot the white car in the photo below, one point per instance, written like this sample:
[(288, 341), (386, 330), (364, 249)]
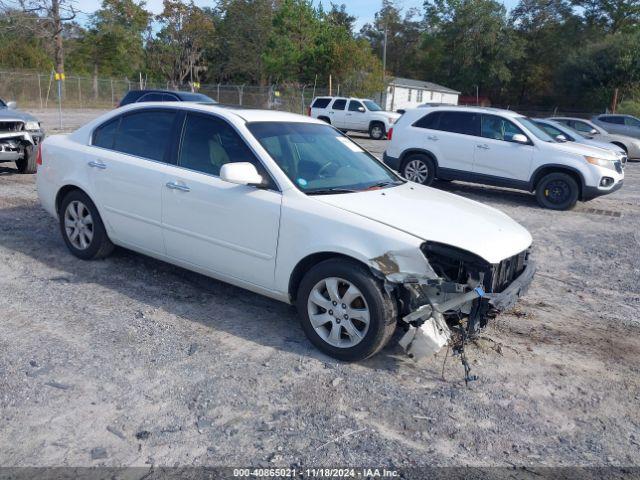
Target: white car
[(501, 148), (354, 114), (288, 207)]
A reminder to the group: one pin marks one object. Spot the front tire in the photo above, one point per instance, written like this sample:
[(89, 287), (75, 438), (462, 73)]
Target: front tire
[(344, 311), (419, 168), (377, 131), (557, 191), (28, 163), (82, 227)]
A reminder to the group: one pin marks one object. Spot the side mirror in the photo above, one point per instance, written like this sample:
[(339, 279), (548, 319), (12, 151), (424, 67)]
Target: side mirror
[(561, 138), (12, 105), (241, 173), (593, 132), (520, 138), (361, 109)]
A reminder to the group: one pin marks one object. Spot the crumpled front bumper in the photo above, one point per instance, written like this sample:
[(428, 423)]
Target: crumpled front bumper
[(508, 297), (10, 149)]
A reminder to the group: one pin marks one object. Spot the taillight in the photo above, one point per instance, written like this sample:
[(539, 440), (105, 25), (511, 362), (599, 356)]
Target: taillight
[(39, 155), (390, 133)]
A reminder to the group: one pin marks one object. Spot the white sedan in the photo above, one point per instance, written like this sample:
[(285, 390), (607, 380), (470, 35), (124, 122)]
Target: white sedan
[(289, 207)]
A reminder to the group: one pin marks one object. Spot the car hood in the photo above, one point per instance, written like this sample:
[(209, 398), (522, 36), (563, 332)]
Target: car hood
[(437, 216), (7, 114), (583, 149), (604, 146)]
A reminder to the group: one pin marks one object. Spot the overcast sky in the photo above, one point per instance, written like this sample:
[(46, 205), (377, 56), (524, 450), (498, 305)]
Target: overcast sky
[(364, 10)]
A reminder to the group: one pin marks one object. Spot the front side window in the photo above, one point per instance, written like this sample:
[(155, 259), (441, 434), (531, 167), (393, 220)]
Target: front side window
[(355, 106), (582, 127), (498, 128), (209, 142), (145, 133), (339, 104), (466, 123), (319, 160), (553, 131)]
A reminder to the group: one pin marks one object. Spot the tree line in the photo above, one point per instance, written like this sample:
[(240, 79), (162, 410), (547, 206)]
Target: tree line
[(569, 53)]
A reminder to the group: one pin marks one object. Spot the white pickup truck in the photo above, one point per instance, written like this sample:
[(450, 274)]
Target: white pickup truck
[(355, 114)]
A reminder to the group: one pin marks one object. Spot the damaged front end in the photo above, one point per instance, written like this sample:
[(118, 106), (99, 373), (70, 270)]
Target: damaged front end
[(454, 295)]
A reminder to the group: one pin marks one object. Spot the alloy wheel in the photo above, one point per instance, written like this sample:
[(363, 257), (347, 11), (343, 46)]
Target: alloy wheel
[(78, 225), (338, 312), (416, 171)]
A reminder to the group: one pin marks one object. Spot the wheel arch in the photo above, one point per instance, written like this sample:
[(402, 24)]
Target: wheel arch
[(310, 261), (552, 168), (324, 118), (621, 145), (63, 191), (407, 153)]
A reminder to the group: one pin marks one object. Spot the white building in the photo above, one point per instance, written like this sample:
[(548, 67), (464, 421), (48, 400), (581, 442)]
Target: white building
[(405, 93)]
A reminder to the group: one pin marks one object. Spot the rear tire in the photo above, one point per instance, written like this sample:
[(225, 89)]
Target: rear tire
[(419, 168), (356, 306), (28, 163), (82, 228), (557, 191), (377, 131)]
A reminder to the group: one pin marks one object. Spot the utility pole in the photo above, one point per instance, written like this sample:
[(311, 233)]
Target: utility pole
[(383, 97)]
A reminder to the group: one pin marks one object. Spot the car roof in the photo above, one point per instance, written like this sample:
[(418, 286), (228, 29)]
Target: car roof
[(462, 108), (246, 114)]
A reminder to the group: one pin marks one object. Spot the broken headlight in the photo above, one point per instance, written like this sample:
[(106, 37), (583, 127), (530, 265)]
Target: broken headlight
[(455, 264), (32, 126)]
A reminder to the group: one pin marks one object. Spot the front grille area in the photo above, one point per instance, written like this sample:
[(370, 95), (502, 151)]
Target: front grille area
[(12, 126), (502, 274)]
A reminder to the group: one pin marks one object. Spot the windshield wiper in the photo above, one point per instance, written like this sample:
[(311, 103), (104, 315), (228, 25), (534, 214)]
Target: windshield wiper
[(329, 191), (386, 183)]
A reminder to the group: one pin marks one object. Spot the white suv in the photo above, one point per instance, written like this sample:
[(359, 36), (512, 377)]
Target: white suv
[(356, 114), (502, 148)]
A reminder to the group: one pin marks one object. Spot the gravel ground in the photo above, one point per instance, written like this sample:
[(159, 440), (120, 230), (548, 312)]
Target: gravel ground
[(133, 362)]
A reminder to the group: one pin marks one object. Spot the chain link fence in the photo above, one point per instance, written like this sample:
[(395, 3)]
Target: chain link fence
[(32, 90)]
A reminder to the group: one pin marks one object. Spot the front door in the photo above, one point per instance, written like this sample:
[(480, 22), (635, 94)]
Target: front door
[(497, 155), (356, 116), (227, 229)]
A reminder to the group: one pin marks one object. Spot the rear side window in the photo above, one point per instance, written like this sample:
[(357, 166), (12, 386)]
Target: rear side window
[(339, 104), (151, 97), (466, 123), (430, 121), (616, 120), (145, 134), (321, 103), (104, 136)]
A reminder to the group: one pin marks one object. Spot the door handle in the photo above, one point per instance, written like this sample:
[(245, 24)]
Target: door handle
[(348, 114), (178, 186), (432, 137), (483, 147), (97, 164)]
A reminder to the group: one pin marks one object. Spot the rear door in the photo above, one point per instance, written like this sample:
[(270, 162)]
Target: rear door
[(337, 113), (497, 155), (226, 229), (127, 158), (452, 135)]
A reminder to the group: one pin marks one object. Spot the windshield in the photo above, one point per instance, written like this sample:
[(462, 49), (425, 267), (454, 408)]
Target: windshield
[(2, 104), (372, 106), (535, 129), (320, 160)]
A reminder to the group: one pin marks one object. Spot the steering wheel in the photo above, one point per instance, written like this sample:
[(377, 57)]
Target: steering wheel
[(324, 168)]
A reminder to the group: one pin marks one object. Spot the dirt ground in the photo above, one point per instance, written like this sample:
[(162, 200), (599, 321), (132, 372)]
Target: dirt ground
[(133, 362)]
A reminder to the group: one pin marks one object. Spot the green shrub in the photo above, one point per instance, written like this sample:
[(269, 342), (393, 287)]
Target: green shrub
[(630, 107)]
